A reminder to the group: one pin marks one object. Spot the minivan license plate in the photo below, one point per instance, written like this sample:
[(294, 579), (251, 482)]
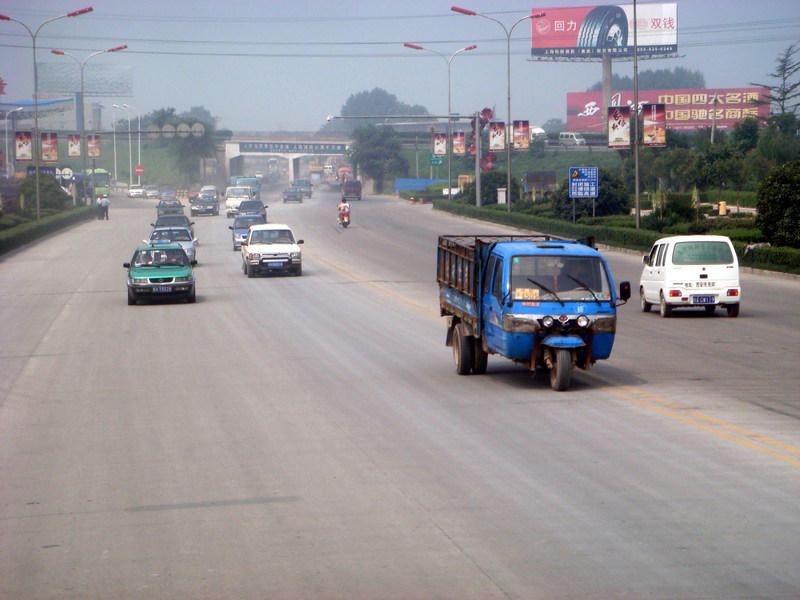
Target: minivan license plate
[(702, 299)]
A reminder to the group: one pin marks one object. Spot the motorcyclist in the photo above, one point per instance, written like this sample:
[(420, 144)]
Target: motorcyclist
[(344, 207)]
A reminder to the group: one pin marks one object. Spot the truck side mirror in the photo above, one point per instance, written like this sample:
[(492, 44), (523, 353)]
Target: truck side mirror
[(624, 290)]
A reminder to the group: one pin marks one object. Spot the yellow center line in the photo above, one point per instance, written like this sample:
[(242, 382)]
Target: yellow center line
[(729, 431), (738, 435)]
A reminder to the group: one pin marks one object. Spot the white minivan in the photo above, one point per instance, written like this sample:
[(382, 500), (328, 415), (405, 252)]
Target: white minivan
[(569, 138), (687, 271)]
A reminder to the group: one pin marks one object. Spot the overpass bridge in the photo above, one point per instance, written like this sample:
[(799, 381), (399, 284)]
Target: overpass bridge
[(296, 152)]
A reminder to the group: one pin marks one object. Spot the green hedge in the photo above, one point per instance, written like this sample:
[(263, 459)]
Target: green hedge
[(24, 233), (778, 259)]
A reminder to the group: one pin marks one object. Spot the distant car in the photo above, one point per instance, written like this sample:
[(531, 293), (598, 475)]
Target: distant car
[(209, 190), (305, 185), (135, 191), (159, 271), (205, 205), (241, 225), (234, 195), (253, 207), (174, 221), (293, 194), (167, 192), (271, 248), (169, 207), (175, 235), (151, 191), (194, 193)]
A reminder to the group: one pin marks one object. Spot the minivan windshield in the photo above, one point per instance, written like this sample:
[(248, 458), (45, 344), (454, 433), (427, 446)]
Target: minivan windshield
[(559, 278)]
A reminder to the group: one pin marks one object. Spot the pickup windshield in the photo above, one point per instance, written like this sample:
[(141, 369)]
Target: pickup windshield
[(559, 278)]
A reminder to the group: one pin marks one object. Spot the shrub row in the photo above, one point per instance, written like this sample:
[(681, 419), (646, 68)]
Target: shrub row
[(24, 233), (771, 258)]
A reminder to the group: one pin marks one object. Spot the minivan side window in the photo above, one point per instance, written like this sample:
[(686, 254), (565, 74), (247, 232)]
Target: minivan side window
[(651, 260), (661, 255)]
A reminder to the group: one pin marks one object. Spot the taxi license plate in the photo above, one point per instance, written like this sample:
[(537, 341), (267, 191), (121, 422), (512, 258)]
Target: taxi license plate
[(702, 299), (161, 289), (275, 264)]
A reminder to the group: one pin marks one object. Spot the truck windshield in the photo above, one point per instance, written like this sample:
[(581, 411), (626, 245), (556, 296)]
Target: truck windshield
[(559, 278)]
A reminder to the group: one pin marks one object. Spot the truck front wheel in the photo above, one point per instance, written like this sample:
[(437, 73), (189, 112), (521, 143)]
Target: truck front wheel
[(463, 350), (480, 357), (560, 371)]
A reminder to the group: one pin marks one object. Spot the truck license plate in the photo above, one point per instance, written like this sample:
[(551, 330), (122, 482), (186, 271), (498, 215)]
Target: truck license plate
[(702, 299), (275, 264)]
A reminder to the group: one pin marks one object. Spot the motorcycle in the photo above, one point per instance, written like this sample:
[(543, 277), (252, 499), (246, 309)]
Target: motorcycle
[(344, 218)]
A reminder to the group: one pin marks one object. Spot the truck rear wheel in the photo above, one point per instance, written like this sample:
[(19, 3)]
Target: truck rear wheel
[(463, 351), (480, 358), (560, 371)]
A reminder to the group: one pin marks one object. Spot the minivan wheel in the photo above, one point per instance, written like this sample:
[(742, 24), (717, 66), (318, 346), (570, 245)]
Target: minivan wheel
[(664, 308), (733, 310), (644, 304)]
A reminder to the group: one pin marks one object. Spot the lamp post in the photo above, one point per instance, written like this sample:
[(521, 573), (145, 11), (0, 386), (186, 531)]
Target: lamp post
[(139, 141), (510, 123), (79, 108), (114, 136), (8, 114), (447, 60), (36, 141), (130, 144)]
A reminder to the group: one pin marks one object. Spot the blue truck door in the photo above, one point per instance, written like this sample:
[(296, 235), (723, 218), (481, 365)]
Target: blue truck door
[(492, 306)]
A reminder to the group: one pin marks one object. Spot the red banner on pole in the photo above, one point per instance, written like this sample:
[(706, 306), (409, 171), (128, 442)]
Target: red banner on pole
[(654, 117), (49, 147), (522, 136), (619, 127), (93, 146), (459, 143), (74, 145), (23, 147)]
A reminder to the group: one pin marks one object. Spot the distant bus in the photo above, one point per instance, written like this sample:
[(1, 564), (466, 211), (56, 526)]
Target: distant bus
[(100, 182)]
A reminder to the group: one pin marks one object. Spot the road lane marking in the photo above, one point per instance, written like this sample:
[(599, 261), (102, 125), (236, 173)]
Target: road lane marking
[(739, 435)]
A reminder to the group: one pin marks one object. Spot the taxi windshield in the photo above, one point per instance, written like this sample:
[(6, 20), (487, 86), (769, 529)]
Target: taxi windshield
[(160, 257), (175, 235), (559, 278)]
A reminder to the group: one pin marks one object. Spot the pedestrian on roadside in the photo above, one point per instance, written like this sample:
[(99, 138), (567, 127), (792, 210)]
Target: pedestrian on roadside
[(103, 208)]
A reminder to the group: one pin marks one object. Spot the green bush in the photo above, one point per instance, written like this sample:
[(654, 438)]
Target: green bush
[(23, 233)]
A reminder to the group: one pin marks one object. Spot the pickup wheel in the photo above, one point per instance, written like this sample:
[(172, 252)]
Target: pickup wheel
[(248, 271), (463, 350), (560, 371)]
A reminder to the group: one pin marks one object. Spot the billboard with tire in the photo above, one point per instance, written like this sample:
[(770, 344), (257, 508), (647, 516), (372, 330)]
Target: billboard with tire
[(597, 31)]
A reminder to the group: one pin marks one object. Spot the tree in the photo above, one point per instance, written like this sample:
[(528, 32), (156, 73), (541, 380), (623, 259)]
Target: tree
[(745, 135), (778, 143), (490, 181), (376, 102), (377, 152), (778, 205), (678, 78), (786, 92)]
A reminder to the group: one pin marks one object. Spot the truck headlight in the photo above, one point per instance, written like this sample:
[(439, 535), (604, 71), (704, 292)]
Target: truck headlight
[(294, 255), (548, 321), (582, 321)]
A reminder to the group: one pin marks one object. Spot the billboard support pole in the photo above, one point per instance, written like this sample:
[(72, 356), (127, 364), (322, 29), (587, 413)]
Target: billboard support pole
[(635, 120), (606, 81)]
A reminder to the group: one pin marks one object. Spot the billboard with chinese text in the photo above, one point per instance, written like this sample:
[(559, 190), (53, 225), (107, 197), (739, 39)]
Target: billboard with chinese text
[(595, 31), (685, 110)]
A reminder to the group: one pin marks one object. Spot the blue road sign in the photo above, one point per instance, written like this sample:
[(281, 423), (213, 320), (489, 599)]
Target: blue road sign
[(583, 182)]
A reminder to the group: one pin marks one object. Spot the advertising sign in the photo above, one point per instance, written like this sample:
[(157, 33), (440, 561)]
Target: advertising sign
[(23, 147), (49, 147), (595, 31), (459, 143), (497, 135), (654, 121), (685, 110), (439, 144), (73, 145), (619, 127), (522, 140), (93, 146)]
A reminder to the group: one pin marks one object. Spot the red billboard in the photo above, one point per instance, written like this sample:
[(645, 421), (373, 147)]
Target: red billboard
[(685, 110), (595, 31)]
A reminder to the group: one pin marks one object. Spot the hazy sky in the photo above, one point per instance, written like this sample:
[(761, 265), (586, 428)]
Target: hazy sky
[(268, 65)]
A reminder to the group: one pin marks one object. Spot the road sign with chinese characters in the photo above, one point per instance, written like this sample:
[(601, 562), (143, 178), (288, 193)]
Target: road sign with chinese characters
[(583, 182)]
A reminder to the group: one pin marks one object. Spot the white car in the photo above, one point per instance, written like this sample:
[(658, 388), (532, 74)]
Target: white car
[(233, 198), (175, 235), (691, 271), (271, 248), (135, 191)]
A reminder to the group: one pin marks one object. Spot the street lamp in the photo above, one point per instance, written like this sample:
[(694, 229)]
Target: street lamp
[(449, 111), (510, 123), (36, 140), (8, 114), (130, 144), (79, 108), (139, 141)]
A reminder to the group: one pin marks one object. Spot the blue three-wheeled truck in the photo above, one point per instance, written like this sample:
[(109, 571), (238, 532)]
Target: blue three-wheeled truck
[(541, 301)]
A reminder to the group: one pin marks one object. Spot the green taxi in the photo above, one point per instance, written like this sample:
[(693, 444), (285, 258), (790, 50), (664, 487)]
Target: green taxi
[(160, 271)]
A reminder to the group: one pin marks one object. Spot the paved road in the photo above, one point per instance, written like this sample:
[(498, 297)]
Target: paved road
[(308, 437)]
